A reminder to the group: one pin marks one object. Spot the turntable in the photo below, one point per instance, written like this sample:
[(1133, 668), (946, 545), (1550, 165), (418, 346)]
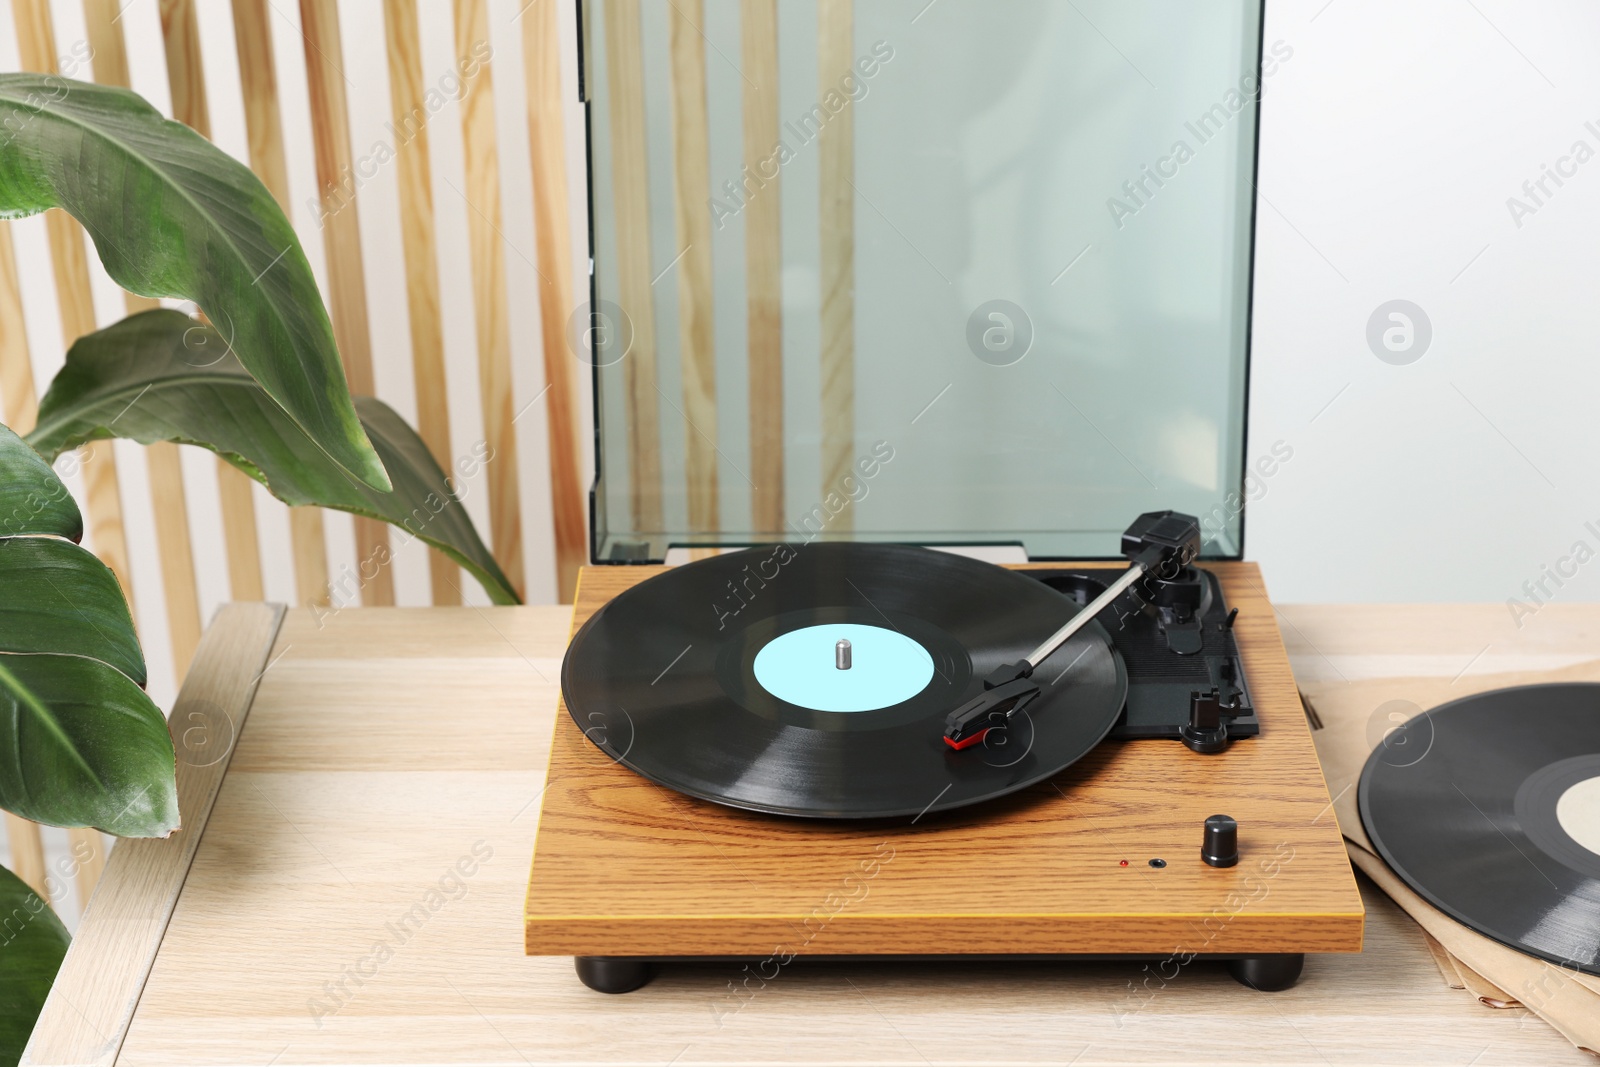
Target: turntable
[(1159, 798), (821, 739)]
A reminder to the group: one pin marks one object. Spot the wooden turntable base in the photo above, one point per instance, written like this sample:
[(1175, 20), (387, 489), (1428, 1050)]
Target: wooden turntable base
[(623, 867)]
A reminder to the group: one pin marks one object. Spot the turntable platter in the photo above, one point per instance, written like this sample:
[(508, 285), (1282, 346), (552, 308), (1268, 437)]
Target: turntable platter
[(722, 679)]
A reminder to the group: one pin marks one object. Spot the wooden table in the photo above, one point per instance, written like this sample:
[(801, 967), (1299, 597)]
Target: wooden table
[(357, 894)]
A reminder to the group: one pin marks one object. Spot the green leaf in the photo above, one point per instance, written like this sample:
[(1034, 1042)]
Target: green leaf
[(32, 498), (161, 376), (32, 944), (57, 597), (174, 216), (422, 502), (81, 745)]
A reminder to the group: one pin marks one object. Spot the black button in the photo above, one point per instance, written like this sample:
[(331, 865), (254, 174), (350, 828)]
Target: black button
[(1220, 847)]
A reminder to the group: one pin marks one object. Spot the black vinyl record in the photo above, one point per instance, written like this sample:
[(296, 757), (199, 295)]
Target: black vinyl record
[(1490, 809), (663, 678)]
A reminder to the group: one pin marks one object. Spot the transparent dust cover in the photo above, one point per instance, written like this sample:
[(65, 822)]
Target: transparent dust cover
[(947, 273)]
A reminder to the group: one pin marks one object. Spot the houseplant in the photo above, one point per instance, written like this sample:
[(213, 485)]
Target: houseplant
[(258, 381)]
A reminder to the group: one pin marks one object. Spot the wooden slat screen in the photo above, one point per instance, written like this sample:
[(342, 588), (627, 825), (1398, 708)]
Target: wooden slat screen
[(195, 573)]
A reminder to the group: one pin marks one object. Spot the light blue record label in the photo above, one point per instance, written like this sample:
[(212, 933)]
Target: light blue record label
[(886, 668)]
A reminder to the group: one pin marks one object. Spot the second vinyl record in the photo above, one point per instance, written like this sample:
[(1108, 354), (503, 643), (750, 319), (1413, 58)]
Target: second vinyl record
[(1490, 809), (722, 679)]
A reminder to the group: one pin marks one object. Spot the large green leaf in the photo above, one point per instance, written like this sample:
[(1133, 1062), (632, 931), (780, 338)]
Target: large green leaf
[(57, 597), (174, 216), (32, 498), (81, 745), (32, 944), (144, 379)]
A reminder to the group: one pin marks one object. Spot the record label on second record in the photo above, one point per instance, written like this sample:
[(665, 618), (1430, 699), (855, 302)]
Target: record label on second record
[(1578, 813)]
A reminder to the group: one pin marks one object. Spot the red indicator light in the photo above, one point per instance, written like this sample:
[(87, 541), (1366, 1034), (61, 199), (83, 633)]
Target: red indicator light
[(1124, 863)]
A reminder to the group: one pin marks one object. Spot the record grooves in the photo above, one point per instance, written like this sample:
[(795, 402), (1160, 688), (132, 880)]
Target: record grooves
[(663, 680)]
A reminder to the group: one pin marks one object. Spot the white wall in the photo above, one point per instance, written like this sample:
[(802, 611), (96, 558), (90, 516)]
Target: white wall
[(1391, 144)]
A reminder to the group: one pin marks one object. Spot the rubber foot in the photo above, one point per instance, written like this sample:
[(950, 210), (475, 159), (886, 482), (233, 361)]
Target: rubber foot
[(612, 974), (1268, 974)]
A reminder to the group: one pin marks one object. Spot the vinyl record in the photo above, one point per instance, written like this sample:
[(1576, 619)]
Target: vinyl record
[(1490, 809), (720, 679)]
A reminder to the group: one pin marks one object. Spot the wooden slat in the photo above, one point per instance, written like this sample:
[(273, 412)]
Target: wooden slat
[(258, 81), (27, 854), (410, 125), (17, 391), (171, 509), (73, 293), (491, 314), (541, 57), (90, 850), (763, 263), (631, 209), (308, 543), (171, 514), (89, 862), (836, 215), (258, 78), (237, 500), (180, 35), (36, 35), (109, 53), (347, 286), (120, 932), (691, 158)]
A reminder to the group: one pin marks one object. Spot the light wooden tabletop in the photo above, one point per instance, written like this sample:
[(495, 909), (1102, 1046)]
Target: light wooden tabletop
[(357, 894)]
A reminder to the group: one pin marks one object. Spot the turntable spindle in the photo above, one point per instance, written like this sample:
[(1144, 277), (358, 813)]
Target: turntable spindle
[(841, 654)]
